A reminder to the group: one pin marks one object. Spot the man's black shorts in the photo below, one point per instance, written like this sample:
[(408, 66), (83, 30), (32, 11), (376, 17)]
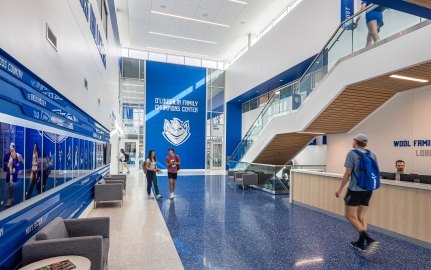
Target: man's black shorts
[(357, 198), (172, 175)]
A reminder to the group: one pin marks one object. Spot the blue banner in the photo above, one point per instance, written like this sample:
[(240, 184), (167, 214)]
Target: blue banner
[(347, 9), (176, 112)]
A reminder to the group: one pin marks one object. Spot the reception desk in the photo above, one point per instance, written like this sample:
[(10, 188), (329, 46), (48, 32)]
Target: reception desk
[(400, 207)]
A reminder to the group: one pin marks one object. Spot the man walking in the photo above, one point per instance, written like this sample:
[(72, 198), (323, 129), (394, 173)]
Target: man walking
[(173, 164), (357, 198)]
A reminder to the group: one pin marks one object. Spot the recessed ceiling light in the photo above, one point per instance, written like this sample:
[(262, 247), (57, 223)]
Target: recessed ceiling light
[(239, 2), (186, 38), (162, 6), (187, 18), (172, 51), (408, 78)]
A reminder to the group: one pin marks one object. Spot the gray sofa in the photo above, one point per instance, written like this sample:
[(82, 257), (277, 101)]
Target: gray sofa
[(115, 178), (87, 237), (247, 179), (108, 190)]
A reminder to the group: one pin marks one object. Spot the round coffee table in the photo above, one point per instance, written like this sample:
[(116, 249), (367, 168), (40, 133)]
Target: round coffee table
[(80, 263)]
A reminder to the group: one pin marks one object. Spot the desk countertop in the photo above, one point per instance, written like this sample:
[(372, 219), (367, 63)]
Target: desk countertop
[(382, 181)]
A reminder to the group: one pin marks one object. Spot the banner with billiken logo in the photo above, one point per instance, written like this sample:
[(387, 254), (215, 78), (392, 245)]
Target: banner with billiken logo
[(175, 113)]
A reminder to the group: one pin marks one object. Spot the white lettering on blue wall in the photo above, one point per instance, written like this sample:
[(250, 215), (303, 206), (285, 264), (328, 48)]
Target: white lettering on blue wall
[(36, 99), (3, 63), (34, 226), (1, 232), (176, 105), (11, 68), (94, 29)]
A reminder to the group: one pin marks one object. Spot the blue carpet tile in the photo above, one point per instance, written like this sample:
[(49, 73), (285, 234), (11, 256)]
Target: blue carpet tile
[(216, 225)]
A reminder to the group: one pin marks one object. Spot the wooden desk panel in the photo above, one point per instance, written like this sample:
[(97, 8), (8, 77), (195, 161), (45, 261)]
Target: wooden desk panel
[(403, 208)]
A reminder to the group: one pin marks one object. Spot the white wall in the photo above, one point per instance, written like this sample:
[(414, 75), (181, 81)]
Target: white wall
[(312, 154), (301, 34), (23, 35), (405, 117), (248, 120)]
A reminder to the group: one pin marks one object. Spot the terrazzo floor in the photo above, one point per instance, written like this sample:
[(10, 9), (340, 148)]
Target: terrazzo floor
[(139, 238), (215, 225)]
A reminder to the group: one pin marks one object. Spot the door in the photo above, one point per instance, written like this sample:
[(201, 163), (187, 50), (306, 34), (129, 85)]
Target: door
[(216, 153), (130, 148)]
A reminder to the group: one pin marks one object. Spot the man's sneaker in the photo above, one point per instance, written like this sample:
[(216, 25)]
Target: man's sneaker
[(172, 196), (358, 245), (158, 196), (150, 196), (372, 246)]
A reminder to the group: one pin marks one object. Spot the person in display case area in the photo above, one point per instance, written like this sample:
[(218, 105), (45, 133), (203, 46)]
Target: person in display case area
[(35, 171), (12, 164)]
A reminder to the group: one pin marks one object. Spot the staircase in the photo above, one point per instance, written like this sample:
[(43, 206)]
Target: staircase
[(334, 95)]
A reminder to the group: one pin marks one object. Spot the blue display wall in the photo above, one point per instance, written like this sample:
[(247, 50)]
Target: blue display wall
[(52, 154), (176, 113)]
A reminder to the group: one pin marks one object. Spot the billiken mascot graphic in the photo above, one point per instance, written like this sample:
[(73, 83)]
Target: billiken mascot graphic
[(176, 131)]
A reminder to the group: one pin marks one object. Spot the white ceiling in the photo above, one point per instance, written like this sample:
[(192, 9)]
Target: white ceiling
[(135, 21)]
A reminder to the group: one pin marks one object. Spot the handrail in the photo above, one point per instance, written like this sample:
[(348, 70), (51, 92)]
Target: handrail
[(278, 166), (266, 108), (270, 100)]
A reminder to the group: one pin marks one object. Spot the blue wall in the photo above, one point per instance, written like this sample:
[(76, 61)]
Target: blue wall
[(233, 126), (175, 113)]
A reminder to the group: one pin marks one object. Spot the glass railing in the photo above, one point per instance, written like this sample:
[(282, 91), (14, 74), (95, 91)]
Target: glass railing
[(271, 178), (350, 37)]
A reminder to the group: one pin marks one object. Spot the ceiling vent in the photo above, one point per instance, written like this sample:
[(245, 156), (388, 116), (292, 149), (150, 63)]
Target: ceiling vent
[(52, 39)]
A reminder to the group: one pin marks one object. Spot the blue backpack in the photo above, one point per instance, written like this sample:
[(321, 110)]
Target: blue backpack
[(369, 173)]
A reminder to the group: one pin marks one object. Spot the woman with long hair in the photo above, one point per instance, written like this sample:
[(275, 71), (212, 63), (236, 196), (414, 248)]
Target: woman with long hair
[(34, 170), (152, 170)]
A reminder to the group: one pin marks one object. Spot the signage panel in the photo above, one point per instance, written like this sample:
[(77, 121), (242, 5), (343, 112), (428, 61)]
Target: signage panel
[(176, 112)]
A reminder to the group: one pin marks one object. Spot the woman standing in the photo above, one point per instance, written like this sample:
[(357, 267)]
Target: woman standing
[(151, 167), (34, 171)]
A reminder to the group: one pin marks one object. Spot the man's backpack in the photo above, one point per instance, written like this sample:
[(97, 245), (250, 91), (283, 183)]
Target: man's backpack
[(126, 157), (369, 173)]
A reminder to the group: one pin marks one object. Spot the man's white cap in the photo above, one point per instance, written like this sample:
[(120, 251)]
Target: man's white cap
[(361, 138), (12, 146)]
